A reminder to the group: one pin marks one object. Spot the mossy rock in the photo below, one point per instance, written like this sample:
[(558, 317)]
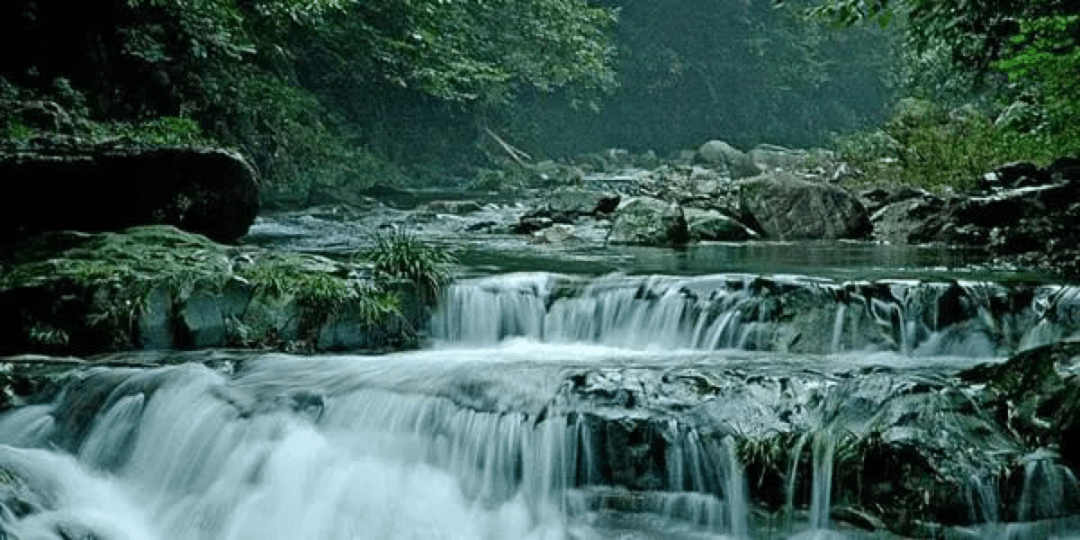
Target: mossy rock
[(158, 287)]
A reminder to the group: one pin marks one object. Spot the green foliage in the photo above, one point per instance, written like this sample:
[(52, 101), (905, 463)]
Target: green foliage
[(1045, 63), (923, 147), (479, 51), (16, 131), (400, 255), (165, 130), (319, 293), (691, 71), (112, 279)]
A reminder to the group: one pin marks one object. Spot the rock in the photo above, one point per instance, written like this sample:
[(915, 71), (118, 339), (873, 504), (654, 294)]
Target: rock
[(1024, 219), (557, 235), (566, 205), (161, 288), (111, 187), (452, 207), (1064, 170), (649, 222), (28, 379), (713, 225), (785, 207), (319, 195), (1013, 175), (720, 153), (531, 224), (770, 157), (550, 173), (899, 222), (1037, 394), (44, 116), (877, 198)]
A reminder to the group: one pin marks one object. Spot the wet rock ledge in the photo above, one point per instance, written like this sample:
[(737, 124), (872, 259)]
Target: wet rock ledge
[(157, 287), (65, 183)]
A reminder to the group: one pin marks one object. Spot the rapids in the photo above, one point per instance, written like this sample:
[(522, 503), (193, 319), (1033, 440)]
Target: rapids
[(551, 406)]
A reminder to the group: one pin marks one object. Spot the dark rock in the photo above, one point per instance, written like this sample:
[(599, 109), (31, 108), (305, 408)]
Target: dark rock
[(566, 205), (1037, 395), (785, 207), (44, 116), (1010, 222), (531, 224), (877, 198), (32, 379), (1065, 170), (115, 186), (452, 207), (898, 222), (649, 222), (607, 203), (713, 225), (1013, 175)]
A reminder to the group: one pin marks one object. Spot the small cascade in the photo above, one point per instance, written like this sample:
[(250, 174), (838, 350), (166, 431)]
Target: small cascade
[(1057, 309), (983, 502), (736, 492), (821, 498), (838, 328), (738, 311), (1050, 488), (251, 457), (791, 482)]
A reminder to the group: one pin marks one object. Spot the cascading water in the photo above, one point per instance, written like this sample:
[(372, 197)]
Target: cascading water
[(557, 407), (756, 313)]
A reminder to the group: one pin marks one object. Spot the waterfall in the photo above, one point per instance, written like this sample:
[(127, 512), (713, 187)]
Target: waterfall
[(555, 407), (296, 450), (737, 311), (824, 450)]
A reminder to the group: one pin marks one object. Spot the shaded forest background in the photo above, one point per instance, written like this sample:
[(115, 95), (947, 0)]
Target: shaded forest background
[(349, 92)]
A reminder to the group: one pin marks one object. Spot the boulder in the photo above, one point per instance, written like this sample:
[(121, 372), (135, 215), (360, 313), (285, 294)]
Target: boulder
[(786, 207), (649, 222), (720, 153), (898, 222), (713, 225), (1013, 175), (158, 287), (566, 205), (1017, 220), (770, 157), (111, 187)]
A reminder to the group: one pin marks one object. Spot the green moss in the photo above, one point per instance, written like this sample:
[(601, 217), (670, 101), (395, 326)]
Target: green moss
[(72, 289)]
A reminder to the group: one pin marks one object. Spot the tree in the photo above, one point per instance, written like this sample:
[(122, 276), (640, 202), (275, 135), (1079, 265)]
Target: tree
[(1035, 43)]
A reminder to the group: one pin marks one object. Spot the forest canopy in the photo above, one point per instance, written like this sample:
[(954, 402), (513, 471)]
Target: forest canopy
[(339, 91)]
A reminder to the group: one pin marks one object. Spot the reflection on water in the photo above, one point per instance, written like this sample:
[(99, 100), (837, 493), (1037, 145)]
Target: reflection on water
[(837, 260)]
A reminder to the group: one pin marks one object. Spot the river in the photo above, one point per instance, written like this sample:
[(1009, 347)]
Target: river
[(777, 391)]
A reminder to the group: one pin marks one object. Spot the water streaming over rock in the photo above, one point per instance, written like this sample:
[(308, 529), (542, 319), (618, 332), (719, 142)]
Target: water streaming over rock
[(553, 407), (777, 313)]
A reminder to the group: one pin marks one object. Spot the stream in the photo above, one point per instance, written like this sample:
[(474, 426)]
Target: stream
[(760, 391)]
